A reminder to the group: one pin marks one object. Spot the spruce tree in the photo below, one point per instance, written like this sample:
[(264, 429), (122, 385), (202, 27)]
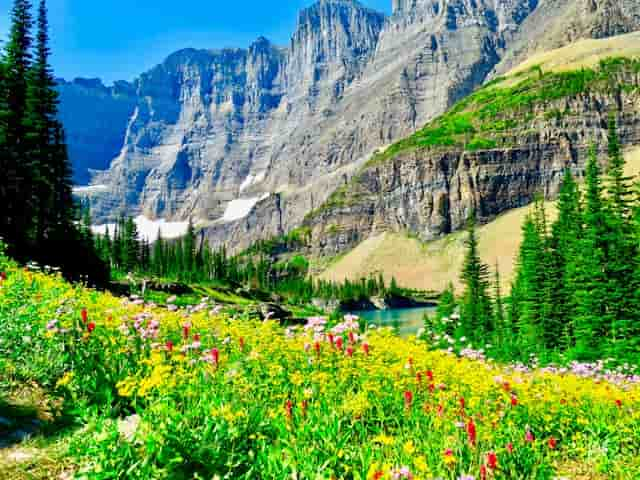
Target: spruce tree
[(16, 195), (42, 130), (475, 304), (587, 270)]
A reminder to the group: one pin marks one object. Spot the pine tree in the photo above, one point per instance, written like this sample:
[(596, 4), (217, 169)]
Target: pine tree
[(566, 234), (475, 305), (587, 270), (498, 306), (16, 194), (619, 249), (42, 129), (131, 246)]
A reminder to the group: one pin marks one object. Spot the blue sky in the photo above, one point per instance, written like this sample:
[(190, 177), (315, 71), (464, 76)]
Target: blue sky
[(119, 39)]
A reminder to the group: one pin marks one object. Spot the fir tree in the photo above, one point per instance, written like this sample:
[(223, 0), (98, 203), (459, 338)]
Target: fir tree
[(16, 195), (475, 305)]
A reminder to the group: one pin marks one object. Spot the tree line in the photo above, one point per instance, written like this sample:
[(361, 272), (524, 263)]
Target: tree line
[(190, 259), (37, 211), (576, 290)]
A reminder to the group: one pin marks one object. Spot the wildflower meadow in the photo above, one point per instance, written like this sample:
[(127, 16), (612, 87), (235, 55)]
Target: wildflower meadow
[(204, 392)]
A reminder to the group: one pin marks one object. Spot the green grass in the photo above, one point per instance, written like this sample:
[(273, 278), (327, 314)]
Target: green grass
[(500, 107)]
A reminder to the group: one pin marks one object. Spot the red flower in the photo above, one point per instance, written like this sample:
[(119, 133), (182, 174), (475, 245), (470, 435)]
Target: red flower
[(506, 386), (91, 327), (432, 388), (196, 337), (430, 375), (352, 338), (378, 475), (471, 433), (289, 409), (169, 346), (339, 343), (330, 337), (365, 348), (3, 276), (483, 472), (619, 403), (317, 348), (492, 460), (350, 351), (241, 341), (440, 410), (419, 378), (185, 331), (408, 399), (510, 447), (304, 406), (514, 401), (462, 403), (215, 356), (529, 437), (84, 315), (553, 443)]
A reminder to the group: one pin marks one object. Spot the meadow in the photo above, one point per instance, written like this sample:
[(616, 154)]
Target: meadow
[(205, 392)]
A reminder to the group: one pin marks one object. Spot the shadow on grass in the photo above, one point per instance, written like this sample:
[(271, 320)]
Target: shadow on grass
[(21, 422)]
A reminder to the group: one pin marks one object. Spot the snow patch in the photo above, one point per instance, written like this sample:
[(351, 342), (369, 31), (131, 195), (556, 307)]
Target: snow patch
[(88, 190), (148, 229), (241, 207), (252, 180)]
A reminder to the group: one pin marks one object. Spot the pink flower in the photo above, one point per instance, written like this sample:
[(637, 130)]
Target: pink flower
[(408, 399), (215, 356), (471, 433), (529, 437), (492, 460)]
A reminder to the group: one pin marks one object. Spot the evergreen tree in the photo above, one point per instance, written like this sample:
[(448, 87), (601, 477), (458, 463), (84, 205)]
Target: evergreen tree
[(131, 246), (475, 305), (42, 130), (587, 270), (16, 191)]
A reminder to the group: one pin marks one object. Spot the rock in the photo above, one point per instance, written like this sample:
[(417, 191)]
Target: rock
[(280, 129), (272, 311)]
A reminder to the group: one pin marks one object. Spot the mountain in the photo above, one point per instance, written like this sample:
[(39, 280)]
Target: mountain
[(249, 141), (95, 119), (491, 153)]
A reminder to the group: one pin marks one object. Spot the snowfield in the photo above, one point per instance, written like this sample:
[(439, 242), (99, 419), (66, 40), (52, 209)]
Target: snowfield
[(148, 229), (241, 207)]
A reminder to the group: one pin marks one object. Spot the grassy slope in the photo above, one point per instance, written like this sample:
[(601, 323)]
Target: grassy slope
[(585, 53), (433, 265)]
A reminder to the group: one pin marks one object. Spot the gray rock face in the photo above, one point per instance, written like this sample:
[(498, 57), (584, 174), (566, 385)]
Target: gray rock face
[(284, 127), (95, 118), (433, 192)]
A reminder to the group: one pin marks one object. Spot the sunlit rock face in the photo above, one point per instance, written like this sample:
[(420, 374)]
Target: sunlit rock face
[(288, 125)]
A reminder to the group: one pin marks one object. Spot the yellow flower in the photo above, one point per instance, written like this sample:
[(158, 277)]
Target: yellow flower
[(65, 380), (409, 448), (383, 439)]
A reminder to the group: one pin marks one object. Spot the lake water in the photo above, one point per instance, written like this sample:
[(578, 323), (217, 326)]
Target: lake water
[(407, 321)]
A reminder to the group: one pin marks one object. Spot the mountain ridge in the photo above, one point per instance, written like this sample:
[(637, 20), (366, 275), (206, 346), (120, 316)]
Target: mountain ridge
[(287, 126)]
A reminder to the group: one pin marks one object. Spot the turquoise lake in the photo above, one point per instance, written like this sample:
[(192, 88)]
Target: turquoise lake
[(407, 321)]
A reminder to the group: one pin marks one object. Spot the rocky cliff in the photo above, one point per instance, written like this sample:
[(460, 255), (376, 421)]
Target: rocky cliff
[(95, 118), (249, 141), (492, 152)]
